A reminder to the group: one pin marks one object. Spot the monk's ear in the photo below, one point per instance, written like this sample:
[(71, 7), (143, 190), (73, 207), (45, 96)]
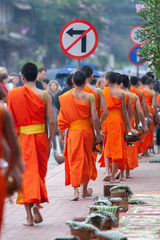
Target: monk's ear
[(121, 85), (72, 81), (22, 78)]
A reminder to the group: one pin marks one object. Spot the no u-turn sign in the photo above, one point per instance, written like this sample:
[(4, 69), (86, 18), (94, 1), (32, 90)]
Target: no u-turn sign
[(78, 39)]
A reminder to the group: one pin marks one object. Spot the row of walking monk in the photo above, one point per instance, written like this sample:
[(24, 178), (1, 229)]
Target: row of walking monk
[(85, 113)]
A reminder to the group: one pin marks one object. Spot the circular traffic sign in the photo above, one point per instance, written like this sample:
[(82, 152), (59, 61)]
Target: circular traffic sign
[(133, 56), (78, 39), (135, 36)]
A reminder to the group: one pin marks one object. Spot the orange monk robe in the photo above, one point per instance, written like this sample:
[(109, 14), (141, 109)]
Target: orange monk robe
[(158, 98), (104, 129), (150, 135), (141, 88), (79, 139), (28, 109), (132, 151), (2, 181), (115, 147), (94, 154), (142, 147)]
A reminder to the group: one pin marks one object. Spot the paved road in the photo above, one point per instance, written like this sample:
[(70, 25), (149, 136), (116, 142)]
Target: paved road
[(60, 209)]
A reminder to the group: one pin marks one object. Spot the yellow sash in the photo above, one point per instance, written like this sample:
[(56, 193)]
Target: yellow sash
[(32, 129), (81, 124)]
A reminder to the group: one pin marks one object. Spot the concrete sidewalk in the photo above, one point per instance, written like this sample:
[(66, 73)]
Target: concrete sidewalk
[(60, 209)]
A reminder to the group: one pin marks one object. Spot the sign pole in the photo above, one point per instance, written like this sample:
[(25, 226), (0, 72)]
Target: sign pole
[(137, 71), (78, 64)]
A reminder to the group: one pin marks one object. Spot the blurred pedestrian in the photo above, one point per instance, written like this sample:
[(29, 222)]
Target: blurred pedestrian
[(4, 81), (42, 72), (53, 88), (3, 70), (45, 83), (67, 88), (13, 81), (3, 96), (100, 83)]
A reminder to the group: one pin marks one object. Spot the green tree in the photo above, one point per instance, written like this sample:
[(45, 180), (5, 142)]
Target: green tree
[(150, 15)]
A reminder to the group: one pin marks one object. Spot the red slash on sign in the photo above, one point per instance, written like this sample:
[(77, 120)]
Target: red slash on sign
[(78, 46)]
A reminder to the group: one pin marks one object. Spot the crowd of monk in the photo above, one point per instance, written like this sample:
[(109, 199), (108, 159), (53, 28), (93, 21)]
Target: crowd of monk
[(117, 120)]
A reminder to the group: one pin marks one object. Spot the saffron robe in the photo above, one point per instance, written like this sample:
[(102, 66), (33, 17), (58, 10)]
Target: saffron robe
[(27, 109), (75, 116), (115, 147), (142, 147), (2, 181), (150, 135), (132, 151), (94, 154)]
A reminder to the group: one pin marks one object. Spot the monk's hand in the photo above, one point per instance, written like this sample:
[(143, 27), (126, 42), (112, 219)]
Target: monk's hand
[(149, 120), (20, 165), (99, 138), (49, 145), (133, 131), (61, 137), (145, 129)]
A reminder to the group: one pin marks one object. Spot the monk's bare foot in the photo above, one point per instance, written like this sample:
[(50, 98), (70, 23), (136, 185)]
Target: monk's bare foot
[(37, 217), (29, 223), (88, 193), (122, 178), (146, 154), (107, 178), (75, 197), (129, 177)]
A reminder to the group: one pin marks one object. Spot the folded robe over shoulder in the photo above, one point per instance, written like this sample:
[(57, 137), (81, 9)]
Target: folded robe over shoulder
[(29, 109), (75, 116)]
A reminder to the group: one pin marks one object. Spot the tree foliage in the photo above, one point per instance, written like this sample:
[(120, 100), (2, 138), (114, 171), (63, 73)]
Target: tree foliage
[(151, 21)]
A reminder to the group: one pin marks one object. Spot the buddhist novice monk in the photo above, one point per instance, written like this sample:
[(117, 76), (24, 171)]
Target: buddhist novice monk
[(100, 103), (77, 109), (143, 82), (132, 151), (152, 105), (115, 147), (29, 110), (7, 133), (142, 147)]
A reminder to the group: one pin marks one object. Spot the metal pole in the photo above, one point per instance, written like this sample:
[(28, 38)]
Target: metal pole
[(78, 64)]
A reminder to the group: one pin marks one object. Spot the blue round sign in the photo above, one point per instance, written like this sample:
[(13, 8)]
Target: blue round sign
[(133, 56)]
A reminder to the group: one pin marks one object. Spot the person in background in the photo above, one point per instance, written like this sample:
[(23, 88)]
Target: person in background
[(3, 81), (100, 83), (3, 96), (67, 88), (53, 88), (45, 83), (14, 81), (41, 76), (3, 70)]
